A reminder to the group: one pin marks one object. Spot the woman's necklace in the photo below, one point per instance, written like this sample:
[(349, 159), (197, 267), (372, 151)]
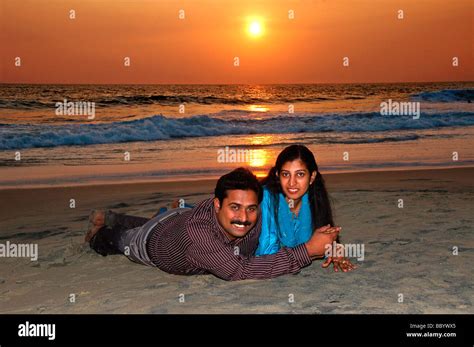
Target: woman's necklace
[(294, 207)]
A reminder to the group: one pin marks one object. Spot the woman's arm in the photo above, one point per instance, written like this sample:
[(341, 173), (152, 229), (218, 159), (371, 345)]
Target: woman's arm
[(268, 242)]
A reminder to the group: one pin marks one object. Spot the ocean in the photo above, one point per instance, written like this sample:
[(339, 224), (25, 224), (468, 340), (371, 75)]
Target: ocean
[(176, 132)]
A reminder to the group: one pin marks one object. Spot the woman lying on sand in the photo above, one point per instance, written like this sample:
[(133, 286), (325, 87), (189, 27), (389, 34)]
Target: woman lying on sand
[(295, 203)]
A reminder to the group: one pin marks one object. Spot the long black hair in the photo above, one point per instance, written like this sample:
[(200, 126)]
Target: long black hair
[(321, 211)]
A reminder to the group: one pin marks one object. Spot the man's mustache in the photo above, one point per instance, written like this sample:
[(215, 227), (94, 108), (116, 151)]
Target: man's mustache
[(239, 222)]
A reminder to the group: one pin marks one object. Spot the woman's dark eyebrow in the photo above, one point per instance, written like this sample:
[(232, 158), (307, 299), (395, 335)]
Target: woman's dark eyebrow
[(299, 170)]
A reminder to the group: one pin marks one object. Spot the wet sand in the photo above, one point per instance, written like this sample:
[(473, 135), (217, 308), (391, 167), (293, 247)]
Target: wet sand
[(408, 251)]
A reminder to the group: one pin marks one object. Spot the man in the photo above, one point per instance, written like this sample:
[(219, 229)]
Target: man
[(219, 236)]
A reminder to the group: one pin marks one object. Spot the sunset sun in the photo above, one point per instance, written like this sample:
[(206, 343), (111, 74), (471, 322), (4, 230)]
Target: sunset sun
[(255, 28)]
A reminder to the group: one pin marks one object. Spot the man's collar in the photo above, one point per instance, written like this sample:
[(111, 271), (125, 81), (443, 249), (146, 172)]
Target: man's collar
[(222, 233)]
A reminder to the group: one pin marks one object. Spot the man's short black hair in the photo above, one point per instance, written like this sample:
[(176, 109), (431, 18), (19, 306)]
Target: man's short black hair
[(241, 179)]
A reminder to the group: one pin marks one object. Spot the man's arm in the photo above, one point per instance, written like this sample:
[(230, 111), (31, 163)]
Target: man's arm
[(326, 235), (211, 254)]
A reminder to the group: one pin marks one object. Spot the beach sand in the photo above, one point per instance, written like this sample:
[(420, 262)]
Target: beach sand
[(408, 251)]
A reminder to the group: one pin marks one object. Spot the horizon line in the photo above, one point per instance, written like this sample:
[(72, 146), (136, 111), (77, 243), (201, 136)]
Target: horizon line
[(236, 84)]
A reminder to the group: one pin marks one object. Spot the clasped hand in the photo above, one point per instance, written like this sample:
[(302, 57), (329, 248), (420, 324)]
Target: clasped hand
[(316, 247)]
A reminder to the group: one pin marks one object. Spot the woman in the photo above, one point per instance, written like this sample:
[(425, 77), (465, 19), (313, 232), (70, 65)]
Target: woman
[(295, 203)]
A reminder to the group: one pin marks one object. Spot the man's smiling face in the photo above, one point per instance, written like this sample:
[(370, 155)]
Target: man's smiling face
[(238, 212)]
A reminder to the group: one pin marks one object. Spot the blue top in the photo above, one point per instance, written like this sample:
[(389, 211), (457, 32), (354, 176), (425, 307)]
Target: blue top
[(293, 230)]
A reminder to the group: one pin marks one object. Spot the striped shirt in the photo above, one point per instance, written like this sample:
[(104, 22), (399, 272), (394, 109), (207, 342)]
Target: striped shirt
[(195, 243)]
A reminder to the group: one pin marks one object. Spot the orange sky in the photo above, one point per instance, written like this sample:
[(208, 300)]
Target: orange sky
[(201, 48)]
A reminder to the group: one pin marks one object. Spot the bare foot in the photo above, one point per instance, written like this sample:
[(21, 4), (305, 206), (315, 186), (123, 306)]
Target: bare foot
[(96, 222), (91, 232)]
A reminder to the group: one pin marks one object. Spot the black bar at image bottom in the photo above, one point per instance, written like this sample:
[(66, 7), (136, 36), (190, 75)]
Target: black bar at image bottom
[(236, 329)]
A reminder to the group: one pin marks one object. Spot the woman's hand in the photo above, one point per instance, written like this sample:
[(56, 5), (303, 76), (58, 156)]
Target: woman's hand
[(328, 229), (341, 263)]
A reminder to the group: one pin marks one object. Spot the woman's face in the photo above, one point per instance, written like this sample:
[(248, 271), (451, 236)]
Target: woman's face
[(295, 179)]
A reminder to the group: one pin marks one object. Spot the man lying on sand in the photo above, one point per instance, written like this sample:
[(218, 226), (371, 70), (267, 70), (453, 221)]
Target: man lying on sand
[(219, 236)]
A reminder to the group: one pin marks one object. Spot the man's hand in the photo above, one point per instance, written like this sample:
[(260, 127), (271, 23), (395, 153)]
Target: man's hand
[(321, 237)]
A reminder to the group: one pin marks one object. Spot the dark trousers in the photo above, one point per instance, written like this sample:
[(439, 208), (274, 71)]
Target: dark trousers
[(109, 239)]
